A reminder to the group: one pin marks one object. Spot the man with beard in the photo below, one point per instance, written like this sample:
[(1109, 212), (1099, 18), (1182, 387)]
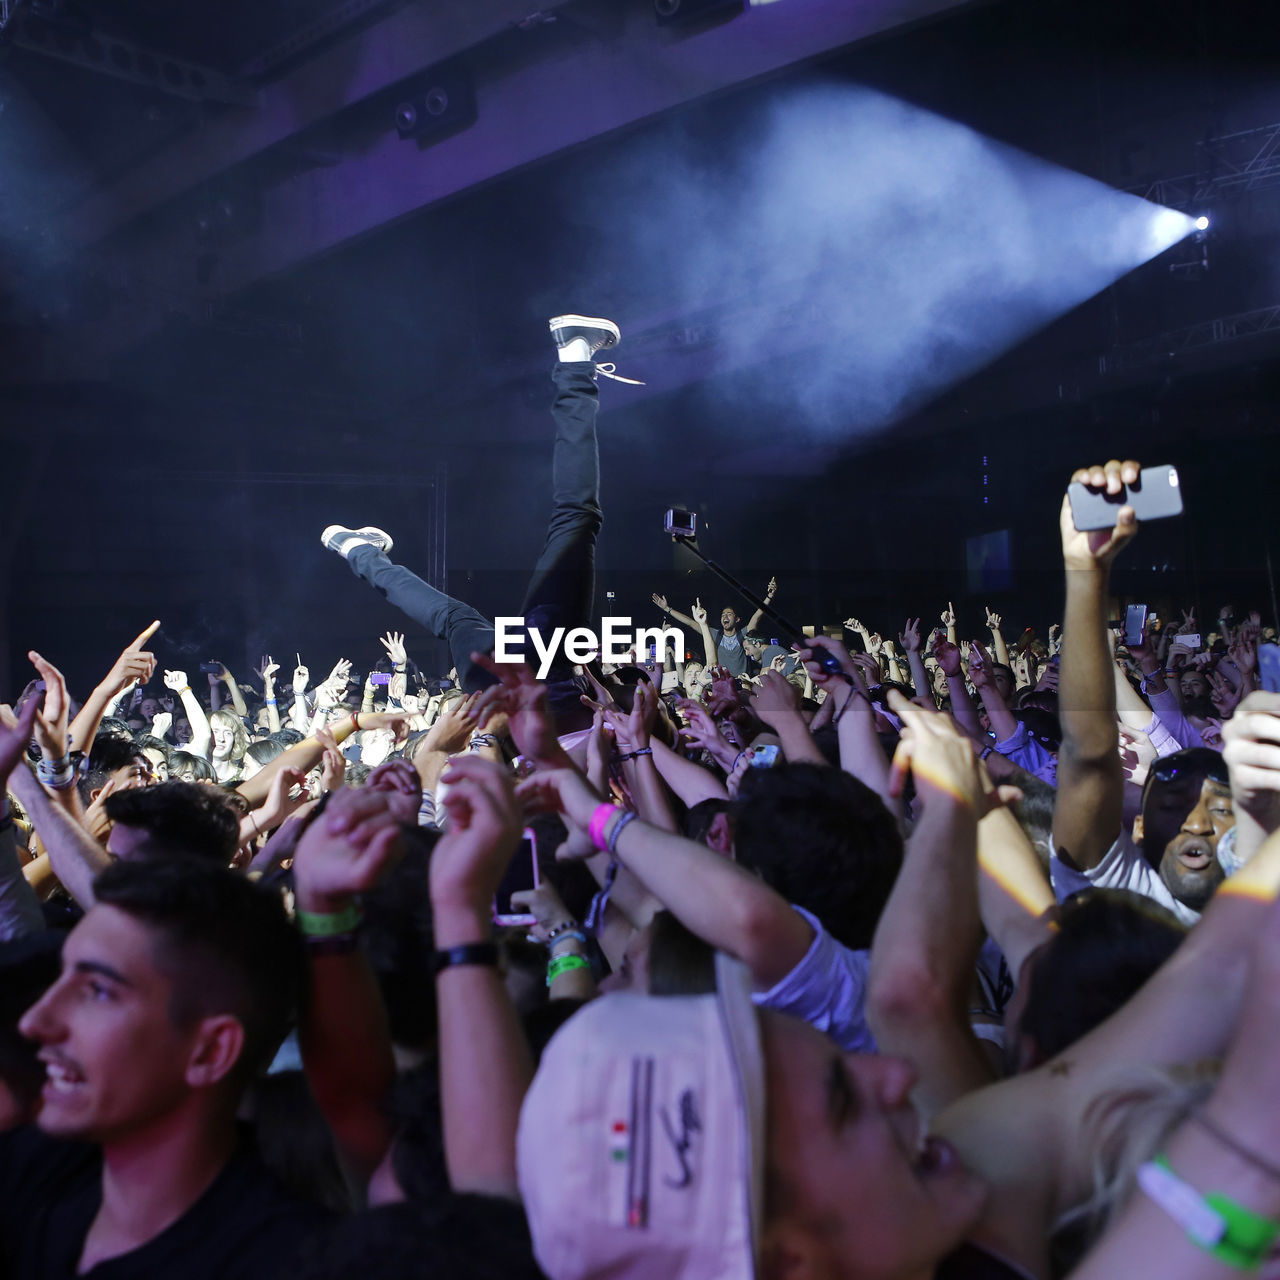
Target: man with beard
[(1171, 856)]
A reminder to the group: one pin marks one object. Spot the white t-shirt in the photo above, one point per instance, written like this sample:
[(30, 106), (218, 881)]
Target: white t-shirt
[(1122, 867), (828, 989)]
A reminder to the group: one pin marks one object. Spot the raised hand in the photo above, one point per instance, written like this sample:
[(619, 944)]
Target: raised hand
[(524, 700), (1099, 547), (661, 602), (135, 663), (393, 643), (455, 725), (852, 624), (340, 676), (909, 636), (469, 860), (698, 613), (286, 795), (301, 678), (771, 590), (948, 657), (948, 615), (979, 667), (162, 723), (700, 729), (993, 620), (1224, 696), (1244, 645), (1252, 751), (563, 791), (51, 723), (775, 696), (942, 760), (811, 656), (346, 850), (268, 671), (546, 907), (177, 681), (333, 764), (220, 676)]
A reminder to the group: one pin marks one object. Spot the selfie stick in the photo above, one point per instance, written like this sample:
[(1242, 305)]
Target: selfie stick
[(826, 660)]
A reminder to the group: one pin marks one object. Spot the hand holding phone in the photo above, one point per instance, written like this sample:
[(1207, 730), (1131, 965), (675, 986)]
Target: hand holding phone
[(521, 875)]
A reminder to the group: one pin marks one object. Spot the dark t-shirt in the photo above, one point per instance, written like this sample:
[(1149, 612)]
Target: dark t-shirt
[(244, 1226), (733, 657)]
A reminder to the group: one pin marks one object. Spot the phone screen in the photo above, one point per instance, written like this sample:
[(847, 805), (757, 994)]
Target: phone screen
[(521, 874)]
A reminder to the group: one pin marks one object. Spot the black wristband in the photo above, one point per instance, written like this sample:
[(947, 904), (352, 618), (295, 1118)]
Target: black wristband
[(337, 944), (483, 953)]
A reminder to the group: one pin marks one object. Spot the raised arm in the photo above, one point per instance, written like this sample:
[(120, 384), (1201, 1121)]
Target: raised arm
[(909, 639), (1226, 1149), (1004, 724), (1252, 751), (221, 677), (135, 664), (74, 855), (727, 907), (997, 639), (20, 913), (668, 612), (344, 1035), (485, 1065), (268, 673), (770, 591), (709, 651), (963, 711), (928, 936), (860, 752), (777, 702), (690, 782), (201, 735), (1089, 812)]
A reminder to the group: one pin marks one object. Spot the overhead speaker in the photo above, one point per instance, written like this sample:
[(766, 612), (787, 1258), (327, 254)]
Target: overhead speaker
[(436, 104)]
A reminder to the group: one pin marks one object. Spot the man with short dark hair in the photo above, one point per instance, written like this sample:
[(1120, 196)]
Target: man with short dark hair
[(173, 819), (176, 988)]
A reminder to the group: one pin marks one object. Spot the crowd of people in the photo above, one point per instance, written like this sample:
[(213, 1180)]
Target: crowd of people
[(953, 954)]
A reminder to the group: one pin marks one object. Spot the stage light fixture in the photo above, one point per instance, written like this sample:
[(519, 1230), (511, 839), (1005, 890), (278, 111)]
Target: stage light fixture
[(1202, 223), (437, 103)]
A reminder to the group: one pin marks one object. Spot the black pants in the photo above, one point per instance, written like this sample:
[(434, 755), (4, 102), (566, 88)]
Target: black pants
[(562, 590)]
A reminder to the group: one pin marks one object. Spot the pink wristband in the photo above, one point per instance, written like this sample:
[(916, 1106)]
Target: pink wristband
[(599, 821)]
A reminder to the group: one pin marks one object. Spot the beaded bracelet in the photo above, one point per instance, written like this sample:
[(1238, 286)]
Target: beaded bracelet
[(631, 755)]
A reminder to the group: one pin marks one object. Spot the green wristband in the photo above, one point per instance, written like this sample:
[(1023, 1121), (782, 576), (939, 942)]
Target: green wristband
[(328, 924), (565, 964), (1246, 1242)]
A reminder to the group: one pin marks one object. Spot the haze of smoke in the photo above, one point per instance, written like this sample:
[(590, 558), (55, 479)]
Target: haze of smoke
[(873, 251)]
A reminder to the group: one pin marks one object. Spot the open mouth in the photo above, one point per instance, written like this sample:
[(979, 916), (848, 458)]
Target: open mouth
[(1195, 856), (936, 1155), (61, 1079)]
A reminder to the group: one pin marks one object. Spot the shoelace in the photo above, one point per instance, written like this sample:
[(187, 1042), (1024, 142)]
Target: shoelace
[(608, 371)]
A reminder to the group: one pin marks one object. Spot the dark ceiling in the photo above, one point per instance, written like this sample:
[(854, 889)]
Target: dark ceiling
[(402, 370)]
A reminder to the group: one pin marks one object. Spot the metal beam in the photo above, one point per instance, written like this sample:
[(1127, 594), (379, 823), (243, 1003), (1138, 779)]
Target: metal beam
[(632, 72), (406, 42)]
